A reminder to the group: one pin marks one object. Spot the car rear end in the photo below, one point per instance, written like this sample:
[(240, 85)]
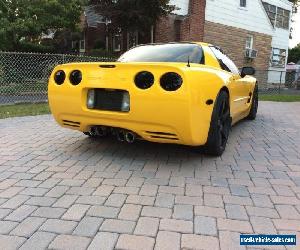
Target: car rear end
[(121, 97)]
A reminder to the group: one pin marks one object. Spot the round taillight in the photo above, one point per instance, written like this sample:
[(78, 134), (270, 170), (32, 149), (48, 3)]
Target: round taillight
[(144, 80), (171, 81), (59, 77), (75, 77)]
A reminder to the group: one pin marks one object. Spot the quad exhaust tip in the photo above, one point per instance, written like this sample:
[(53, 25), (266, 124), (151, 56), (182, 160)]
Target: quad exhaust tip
[(93, 131), (130, 137), (101, 131), (98, 131), (122, 135)]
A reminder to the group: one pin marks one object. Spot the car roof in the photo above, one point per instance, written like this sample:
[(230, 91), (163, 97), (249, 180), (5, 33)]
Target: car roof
[(183, 42), (203, 43)]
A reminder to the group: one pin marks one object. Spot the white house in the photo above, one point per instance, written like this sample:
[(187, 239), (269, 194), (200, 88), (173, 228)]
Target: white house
[(280, 13), (257, 20)]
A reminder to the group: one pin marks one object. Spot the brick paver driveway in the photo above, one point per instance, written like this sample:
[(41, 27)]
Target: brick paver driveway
[(62, 190)]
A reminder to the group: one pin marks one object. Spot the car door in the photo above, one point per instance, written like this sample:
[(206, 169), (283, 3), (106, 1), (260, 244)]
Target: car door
[(237, 86), (242, 87), (246, 92)]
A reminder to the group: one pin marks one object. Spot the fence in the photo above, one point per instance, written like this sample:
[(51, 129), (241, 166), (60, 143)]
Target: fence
[(278, 81), (24, 76)]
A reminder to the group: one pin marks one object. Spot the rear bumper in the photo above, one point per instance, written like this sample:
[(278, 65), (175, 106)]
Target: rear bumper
[(157, 131), (155, 114), (150, 131), (157, 121)]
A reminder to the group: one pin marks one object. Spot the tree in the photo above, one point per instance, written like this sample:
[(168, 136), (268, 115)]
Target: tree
[(294, 54), (132, 15), (24, 21), (295, 2), (294, 11)]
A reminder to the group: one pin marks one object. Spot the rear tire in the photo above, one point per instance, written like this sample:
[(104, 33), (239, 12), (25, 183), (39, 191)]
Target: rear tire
[(219, 127), (254, 105)]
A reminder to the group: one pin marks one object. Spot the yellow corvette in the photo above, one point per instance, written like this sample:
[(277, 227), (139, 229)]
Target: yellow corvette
[(183, 93)]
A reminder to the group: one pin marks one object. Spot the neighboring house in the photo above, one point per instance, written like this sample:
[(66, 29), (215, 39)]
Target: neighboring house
[(280, 13), (185, 24), (251, 32), (99, 36), (94, 29)]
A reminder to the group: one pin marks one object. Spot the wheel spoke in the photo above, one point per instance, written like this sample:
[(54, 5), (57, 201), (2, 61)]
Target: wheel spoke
[(225, 116), (222, 107), (223, 134), (225, 131), (221, 137)]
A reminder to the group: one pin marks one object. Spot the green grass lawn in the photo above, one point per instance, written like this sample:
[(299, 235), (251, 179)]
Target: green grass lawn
[(280, 98), (24, 110)]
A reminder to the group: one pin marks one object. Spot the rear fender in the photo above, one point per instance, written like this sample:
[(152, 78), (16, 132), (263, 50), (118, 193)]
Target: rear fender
[(205, 86)]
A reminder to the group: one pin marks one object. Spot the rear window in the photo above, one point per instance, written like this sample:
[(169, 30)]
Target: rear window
[(164, 53)]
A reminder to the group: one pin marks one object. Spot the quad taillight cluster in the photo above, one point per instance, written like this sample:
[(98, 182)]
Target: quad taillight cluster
[(75, 77), (60, 77), (170, 81)]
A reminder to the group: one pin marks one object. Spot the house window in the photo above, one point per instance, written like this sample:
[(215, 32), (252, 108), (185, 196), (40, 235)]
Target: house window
[(243, 3), (117, 43), (271, 11), (279, 17), (249, 42), (82, 46), (75, 45), (278, 58), (282, 18)]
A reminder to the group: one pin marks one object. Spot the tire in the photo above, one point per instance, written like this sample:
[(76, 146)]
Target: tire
[(220, 126), (254, 105)]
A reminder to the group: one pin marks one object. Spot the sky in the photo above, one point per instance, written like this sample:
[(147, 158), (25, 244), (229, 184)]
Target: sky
[(296, 30)]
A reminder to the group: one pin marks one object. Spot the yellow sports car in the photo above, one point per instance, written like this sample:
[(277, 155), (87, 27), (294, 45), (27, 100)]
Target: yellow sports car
[(183, 93)]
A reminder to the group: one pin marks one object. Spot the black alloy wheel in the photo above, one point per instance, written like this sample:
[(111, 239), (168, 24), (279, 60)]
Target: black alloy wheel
[(220, 126), (254, 105)]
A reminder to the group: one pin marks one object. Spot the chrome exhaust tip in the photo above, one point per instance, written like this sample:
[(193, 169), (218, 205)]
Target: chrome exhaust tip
[(93, 131), (130, 137)]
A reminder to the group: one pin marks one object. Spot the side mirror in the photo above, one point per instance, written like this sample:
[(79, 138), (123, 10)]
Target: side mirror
[(247, 71)]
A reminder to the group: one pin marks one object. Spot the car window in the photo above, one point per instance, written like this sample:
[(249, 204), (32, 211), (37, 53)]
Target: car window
[(177, 52), (225, 62)]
